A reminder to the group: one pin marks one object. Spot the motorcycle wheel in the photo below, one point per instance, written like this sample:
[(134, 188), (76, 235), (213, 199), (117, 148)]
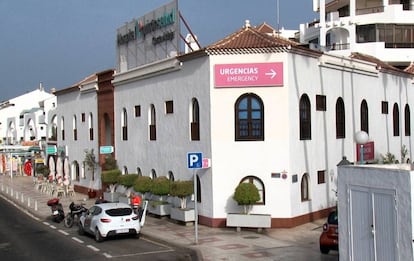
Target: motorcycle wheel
[(68, 221)]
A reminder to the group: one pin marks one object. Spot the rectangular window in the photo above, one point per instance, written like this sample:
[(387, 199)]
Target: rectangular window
[(320, 102), (83, 117), (384, 107), (137, 111), (75, 134), (169, 107), (321, 176), (295, 178)]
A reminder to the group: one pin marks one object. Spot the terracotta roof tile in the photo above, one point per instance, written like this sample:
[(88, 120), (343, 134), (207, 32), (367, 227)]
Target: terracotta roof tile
[(410, 68), (251, 37), (381, 64)]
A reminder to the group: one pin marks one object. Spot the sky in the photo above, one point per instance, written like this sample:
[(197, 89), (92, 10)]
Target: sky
[(60, 42)]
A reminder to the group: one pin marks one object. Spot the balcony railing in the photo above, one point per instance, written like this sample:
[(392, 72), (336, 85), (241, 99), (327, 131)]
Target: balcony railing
[(337, 47)]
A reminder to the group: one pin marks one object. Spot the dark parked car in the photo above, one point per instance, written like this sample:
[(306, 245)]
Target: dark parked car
[(329, 237)]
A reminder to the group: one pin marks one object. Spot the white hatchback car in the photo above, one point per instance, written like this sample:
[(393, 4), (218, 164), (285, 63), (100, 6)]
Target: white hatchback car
[(109, 219)]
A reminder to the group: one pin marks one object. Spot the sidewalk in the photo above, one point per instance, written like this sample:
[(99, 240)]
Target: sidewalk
[(213, 243)]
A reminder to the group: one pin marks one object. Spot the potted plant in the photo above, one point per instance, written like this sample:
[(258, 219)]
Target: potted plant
[(128, 181), (143, 185), (246, 194), (159, 205), (110, 178), (91, 164), (42, 170), (182, 190)]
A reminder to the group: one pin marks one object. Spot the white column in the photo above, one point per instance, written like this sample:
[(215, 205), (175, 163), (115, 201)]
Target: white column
[(322, 23), (352, 9)]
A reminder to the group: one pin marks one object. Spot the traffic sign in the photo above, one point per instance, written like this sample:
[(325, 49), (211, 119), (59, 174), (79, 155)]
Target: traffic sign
[(106, 149), (195, 160)]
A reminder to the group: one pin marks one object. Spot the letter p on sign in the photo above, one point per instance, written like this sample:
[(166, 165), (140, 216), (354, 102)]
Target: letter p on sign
[(195, 160)]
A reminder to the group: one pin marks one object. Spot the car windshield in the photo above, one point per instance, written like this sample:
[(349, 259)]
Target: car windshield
[(117, 212), (333, 218)]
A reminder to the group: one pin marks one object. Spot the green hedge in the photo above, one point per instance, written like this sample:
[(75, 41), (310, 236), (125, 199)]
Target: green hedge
[(110, 176), (160, 186), (246, 194), (182, 189), (128, 180), (143, 184)]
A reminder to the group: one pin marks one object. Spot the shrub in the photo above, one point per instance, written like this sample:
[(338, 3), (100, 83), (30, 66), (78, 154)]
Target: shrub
[(160, 186), (110, 176), (42, 169), (110, 163), (127, 180), (143, 184), (182, 189), (246, 194)]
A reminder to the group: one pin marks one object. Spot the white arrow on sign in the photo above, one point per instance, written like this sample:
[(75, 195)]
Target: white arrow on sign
[(272, 73)]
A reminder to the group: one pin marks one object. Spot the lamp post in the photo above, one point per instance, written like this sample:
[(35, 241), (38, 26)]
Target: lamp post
[(361, 137)]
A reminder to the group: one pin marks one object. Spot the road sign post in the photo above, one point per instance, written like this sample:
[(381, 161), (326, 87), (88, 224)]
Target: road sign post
[(195, 161)]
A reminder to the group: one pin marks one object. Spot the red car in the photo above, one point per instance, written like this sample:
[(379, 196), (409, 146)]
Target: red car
[(329, 237)]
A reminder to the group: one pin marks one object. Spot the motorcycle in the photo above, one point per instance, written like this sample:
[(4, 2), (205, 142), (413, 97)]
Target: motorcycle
[(57, 210), (76, 210)]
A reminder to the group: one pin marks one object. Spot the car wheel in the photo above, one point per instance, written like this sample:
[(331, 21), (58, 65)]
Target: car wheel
[(324, 250), (98, 236), (81, 231), (137, 235)]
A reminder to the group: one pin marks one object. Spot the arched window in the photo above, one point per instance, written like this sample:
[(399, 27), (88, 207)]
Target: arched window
[(153, 174), (62, 127), (340, 119), (139, 172), (171, 176), (249, 116), (152, 123), (124, 124), (75, 171), (364, 116), (90, 123), (305, 118), (396, 120), (75, 128), (304, 187), (53, 129), (260, 186), (407, 121), (195, 120)]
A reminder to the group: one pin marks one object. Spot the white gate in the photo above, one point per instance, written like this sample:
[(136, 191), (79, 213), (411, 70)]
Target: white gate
[(373, 222)]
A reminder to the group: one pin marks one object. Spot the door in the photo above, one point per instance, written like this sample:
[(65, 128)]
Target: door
[(372, 222)]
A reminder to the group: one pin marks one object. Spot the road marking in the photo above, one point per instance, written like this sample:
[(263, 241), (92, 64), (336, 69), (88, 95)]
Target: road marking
[(63, 232), (146, 253), (52, 226), (46, 223), (77, 240), (93, 248), (107, 255)]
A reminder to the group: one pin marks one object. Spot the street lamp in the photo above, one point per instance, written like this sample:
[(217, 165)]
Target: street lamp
[(361, 137)]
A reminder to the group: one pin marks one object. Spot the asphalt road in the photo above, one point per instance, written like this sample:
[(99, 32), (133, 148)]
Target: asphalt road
[(23, 237)]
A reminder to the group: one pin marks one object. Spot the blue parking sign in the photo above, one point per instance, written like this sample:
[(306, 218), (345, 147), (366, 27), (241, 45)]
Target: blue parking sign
[(195, 160)]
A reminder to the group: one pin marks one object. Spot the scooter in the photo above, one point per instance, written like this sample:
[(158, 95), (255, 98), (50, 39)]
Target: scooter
[(57, 210), (76, 210)]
